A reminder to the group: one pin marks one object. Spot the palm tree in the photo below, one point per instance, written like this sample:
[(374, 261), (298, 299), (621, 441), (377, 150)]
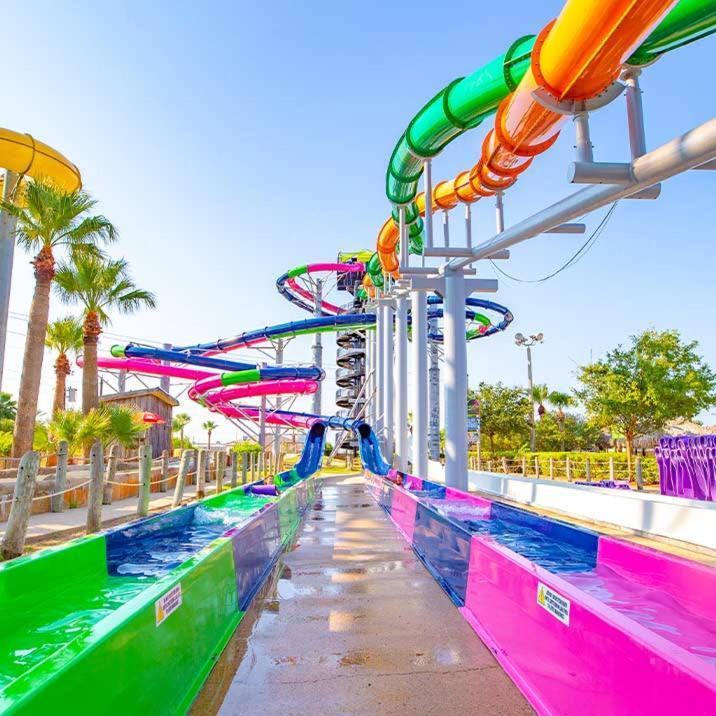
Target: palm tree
[(539, 394), (181, 420), (48, 219), (560, 401), (209, 426), (63, 336), (99, 284)]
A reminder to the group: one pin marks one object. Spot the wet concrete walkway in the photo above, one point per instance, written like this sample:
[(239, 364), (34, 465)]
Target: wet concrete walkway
[(352, 623)]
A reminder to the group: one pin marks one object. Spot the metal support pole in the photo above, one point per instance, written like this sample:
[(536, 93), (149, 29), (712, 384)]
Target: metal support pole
[(532, 399), (7, 254), (635, 113), (371, 371), (428, 179), (262, 420), (434, 395), (583, 142), (165, 380), (455, 346), (419, 325), (401, 383), (388, 378), (279, 405), (379, 373), (402, 233), (446, 228), (122, 381), (499, 213), (468, 226), (317, 347)]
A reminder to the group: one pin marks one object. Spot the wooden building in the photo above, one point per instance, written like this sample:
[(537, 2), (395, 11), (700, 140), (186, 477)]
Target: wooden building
[(150, 400)]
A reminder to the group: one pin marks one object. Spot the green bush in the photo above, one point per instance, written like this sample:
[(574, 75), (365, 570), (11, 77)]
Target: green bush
[(246, 446), (5, 443)]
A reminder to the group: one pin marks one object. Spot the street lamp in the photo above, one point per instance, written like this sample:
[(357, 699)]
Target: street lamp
[(528, 342)]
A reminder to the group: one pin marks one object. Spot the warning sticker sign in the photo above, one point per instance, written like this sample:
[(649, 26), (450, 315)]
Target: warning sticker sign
[(167, 604), (554, 603)]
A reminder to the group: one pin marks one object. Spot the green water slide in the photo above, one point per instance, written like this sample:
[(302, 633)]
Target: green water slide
[(467, 101)]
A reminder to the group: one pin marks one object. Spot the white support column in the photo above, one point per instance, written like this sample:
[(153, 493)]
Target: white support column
[(369, 415), (499, 213), (583, 141), (419, 324), (428, 180), (434, 394), (388, 378), (279, 405), (455, 346), (446, 228), (317, 347), (635, 113), (379, 372), (7, 254), (401, 383), (468, 226)]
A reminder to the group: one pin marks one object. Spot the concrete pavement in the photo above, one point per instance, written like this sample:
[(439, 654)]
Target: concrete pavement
[(352, 623)]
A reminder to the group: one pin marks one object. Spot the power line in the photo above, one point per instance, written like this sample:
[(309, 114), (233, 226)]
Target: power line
[(578, 256)]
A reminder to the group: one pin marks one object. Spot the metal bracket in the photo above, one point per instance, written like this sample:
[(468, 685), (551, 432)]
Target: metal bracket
[(432, 271), (566, 229), (472, 285), (570, 107)]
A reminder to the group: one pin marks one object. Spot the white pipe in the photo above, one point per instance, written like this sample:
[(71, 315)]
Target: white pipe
[(401, 383), (388, 379), (7, 254), (468, 226), (419, 324), (428, 179), (635, 114), (679, 155), (455, 347), (434, 395), (583, 141), (446, 228), (379, 372), (317, 346)]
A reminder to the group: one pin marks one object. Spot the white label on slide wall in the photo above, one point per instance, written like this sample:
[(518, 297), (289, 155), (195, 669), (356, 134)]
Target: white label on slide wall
[(555, 604), (168, 603)]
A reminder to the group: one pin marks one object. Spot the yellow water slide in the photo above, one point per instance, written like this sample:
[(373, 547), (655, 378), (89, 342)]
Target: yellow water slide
[(26, 156)]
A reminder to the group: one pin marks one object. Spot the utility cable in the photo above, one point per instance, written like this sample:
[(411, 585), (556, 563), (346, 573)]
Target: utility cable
[(580, 254)]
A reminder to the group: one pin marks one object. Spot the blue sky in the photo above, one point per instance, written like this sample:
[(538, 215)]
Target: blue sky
[(232, 141)]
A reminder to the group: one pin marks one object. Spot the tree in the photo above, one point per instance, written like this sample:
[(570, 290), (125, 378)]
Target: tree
[(63, 336), (637, 390), (48, 219), (209, 426), (560, 401), (110, 424), (504, 411), (181, 420), (540, 393), (100, 285), (571, 432), (8, 407)]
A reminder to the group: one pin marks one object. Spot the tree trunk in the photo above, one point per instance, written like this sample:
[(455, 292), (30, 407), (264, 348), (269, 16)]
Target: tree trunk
[(62, 370), (90, 384), (629, 439), (208, 440), (44, 264)]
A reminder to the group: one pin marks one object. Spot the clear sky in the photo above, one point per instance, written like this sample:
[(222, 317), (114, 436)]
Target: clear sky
[(230, 141)]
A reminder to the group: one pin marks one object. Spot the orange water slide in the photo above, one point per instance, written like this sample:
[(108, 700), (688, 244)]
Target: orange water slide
[(575, 58)]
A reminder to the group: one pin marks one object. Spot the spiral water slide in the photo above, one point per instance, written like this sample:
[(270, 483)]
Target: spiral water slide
[(573, 59), (220, 383)]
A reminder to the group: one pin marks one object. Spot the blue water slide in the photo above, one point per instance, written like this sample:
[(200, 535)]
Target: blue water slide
[(369, 447)]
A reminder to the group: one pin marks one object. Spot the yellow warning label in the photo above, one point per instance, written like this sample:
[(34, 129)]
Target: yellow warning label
[(557, 605)]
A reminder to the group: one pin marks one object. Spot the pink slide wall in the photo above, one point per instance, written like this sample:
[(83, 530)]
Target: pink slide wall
[(600, 662)]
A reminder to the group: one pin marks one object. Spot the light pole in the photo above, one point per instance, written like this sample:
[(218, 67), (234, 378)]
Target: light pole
[(528, 342)]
